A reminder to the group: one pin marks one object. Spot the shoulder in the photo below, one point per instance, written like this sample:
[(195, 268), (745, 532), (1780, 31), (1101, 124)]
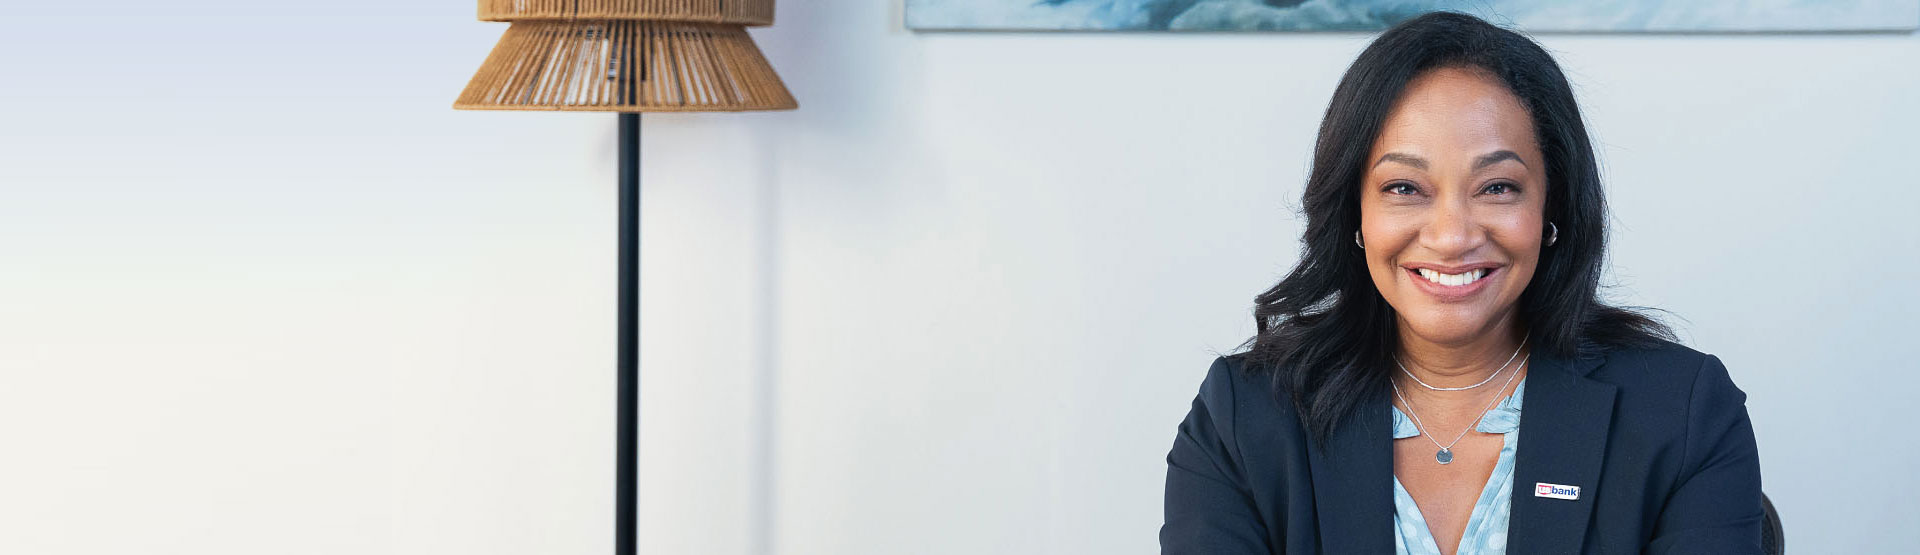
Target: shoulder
[(1674, 393), (1246, 394), (1225, 382), (1236, 377), (1662, 358), (1666, 367)]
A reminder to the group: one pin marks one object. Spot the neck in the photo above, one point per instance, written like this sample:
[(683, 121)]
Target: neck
[(1464, 362)]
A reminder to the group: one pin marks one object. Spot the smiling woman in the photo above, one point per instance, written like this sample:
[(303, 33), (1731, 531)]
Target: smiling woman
[(1454, 243)]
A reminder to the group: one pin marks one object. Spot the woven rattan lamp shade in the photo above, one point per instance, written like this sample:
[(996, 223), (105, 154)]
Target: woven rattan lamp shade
[(626, 56)]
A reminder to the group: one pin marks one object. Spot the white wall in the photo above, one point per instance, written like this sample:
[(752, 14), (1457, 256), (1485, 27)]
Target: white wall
[(264, 291)]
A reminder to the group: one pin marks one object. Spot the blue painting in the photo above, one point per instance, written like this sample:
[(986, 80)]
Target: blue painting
[(1369, 15)]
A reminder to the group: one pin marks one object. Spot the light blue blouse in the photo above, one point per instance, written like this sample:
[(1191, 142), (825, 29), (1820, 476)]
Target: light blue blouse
[(1486, 532)]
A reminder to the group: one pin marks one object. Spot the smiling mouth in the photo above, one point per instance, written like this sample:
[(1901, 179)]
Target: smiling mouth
[(1454, 280)]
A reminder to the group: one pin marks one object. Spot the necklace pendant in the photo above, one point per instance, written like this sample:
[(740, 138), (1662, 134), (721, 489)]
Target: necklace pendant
[(1444, 456)]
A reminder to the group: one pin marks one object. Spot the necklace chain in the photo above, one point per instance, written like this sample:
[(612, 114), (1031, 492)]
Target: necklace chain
[(1416, 379), (1445, 454)]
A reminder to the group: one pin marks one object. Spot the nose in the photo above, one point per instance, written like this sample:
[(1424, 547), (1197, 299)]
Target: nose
[(1451, 232)]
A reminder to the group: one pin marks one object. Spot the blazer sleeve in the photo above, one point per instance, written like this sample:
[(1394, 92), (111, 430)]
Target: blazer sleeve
[(1715, 508), (1208, 507)]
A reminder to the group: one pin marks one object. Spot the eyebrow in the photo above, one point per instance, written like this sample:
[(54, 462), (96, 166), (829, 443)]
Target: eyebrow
[(1479, 163)]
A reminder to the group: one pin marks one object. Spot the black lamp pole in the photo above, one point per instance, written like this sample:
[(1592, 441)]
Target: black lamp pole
[(627, 487)]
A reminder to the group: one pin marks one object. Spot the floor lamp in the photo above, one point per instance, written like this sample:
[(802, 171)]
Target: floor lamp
[(627, 56)]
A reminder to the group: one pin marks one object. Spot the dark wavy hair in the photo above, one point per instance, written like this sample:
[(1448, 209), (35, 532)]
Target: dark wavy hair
[(1324, 331)]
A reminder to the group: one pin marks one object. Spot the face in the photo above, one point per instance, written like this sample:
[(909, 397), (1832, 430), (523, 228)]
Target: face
[(1455, 191)]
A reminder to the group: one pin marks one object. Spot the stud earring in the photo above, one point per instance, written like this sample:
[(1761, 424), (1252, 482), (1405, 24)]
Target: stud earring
[(1356, 240), (1555, 236)]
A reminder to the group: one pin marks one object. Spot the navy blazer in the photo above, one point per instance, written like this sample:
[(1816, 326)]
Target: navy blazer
[(1658, 441)]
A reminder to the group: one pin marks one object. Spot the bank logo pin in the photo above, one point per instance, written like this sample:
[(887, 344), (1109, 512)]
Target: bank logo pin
[(1556, 491)]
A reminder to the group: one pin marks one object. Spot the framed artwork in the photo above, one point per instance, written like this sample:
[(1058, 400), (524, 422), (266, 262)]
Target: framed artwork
[(1369, 15)]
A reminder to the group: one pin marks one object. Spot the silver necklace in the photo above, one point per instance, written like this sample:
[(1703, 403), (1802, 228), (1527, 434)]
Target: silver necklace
[(1445, 454), (1416, 379)]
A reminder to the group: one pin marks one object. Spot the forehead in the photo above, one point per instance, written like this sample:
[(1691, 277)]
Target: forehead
[(1452, 114)]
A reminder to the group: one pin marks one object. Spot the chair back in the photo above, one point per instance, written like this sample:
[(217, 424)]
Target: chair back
[(1771, 540)]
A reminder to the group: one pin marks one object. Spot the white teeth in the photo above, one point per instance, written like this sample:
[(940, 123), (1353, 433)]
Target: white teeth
[(1453, 279)]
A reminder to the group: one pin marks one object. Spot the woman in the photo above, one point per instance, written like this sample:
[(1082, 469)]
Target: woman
[(1454, 241)]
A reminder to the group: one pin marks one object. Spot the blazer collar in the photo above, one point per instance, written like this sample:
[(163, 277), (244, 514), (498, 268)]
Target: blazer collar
[(1563, 435)]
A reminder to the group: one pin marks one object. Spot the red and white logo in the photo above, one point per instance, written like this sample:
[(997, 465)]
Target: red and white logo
[(1556, 491)]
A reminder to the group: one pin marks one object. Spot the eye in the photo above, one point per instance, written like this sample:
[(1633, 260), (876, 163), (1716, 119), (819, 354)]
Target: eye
[(1502, 186), (1399, 185)]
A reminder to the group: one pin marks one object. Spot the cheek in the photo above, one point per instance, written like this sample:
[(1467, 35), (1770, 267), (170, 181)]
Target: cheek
[(1386, 247), (1523, 250), (1522, 237)]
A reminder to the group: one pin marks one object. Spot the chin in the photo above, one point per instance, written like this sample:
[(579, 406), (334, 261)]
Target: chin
[(1447, 324)]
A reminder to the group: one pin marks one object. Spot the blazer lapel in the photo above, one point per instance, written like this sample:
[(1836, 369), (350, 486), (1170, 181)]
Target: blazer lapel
[(1564, 421), (1353, 482)]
